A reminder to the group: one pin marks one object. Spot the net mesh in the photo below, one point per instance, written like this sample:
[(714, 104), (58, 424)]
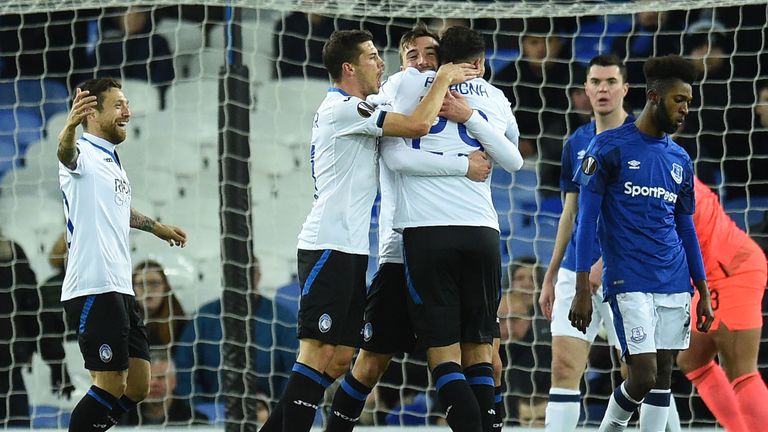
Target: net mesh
[(170, 57)]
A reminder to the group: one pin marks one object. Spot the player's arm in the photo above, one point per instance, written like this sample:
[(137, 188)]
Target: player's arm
[(498, 146), (564, 232), (590, 202), (175, 236), (404, 159), (417, 124), (82, 106), (686, 230)]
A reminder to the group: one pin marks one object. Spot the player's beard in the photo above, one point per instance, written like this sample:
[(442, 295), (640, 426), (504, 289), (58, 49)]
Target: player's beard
[(114, 134), (663, 120)]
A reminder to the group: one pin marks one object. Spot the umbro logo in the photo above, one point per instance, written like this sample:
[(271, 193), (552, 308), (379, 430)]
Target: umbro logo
[(634, 164), (580, 154), (109, 159)]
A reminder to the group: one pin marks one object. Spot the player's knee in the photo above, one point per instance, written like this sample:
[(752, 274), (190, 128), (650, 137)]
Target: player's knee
[(565, 373), (112, 382), (643, 382), (339, 363), (137, 391)]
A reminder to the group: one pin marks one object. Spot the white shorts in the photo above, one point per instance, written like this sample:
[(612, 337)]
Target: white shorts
[(565, 290), (647, 322)]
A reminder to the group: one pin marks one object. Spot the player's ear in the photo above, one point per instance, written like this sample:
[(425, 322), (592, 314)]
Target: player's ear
[(347, 67), (653, 96)]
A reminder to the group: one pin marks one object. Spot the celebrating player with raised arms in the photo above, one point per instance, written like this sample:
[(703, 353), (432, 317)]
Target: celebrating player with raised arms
[(641, 184)]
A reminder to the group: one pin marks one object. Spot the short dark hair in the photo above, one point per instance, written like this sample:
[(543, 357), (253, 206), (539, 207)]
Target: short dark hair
[(97, 87), (343, 47), (419, 30), (610, 60), (460, 44), (661, 71)]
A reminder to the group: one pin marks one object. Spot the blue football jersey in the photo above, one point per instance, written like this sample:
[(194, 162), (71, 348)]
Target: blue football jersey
[(573, 153), (644, 182)]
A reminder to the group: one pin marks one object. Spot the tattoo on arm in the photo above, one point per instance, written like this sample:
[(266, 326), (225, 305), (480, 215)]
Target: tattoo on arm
[(139, 221)]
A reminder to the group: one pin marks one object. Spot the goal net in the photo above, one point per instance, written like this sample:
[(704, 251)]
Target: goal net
[(172, 57)]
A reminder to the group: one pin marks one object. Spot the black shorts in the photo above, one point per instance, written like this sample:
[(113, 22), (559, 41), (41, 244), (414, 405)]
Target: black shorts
[(110, 330), (453, 275), (332, 300), (387, 328)]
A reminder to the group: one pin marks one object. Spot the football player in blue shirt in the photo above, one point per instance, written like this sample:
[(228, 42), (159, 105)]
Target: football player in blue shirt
[(640, 183)]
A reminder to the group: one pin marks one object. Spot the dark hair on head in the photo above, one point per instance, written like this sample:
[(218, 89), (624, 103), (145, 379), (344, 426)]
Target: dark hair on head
[(97, 87), (459, 44), (610, 60), (343, 47), (661, 71), (419, 30)]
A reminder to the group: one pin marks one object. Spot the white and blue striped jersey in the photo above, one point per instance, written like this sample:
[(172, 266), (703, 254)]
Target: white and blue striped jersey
[(343, 159), (443, 201), (97, 208), (645, 181)]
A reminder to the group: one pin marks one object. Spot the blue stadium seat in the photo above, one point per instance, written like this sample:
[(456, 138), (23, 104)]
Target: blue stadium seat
[(746, 212), (595, 36), (18, 129), (500, 58), (31, 94), (49, 417)]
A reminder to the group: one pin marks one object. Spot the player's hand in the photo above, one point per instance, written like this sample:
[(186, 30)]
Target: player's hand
[(455, 108), (479, 166), (82, 106), (580, 314), (175, 236), (704, 314), (458, 73), (547, 296)]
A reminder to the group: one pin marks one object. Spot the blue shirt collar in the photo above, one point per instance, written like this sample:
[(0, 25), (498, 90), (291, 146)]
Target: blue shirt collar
[(337, 90)]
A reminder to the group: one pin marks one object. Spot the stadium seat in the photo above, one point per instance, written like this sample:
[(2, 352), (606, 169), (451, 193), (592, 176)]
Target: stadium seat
[(746, 212), (143, 96), (50, 95), (595, 35), (197, 96), (49, 417), (18, 129)]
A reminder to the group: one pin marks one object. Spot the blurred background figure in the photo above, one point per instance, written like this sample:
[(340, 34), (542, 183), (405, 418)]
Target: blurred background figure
[(525, 343), (160, 407), (130, 49), (163, 314), (19, 333), (273, 345)]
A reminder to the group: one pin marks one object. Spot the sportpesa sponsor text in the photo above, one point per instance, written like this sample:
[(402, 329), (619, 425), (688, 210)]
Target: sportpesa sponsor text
[(653, 191)]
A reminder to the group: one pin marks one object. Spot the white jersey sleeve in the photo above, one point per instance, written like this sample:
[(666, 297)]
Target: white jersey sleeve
[(404, 159), (496, 143)]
